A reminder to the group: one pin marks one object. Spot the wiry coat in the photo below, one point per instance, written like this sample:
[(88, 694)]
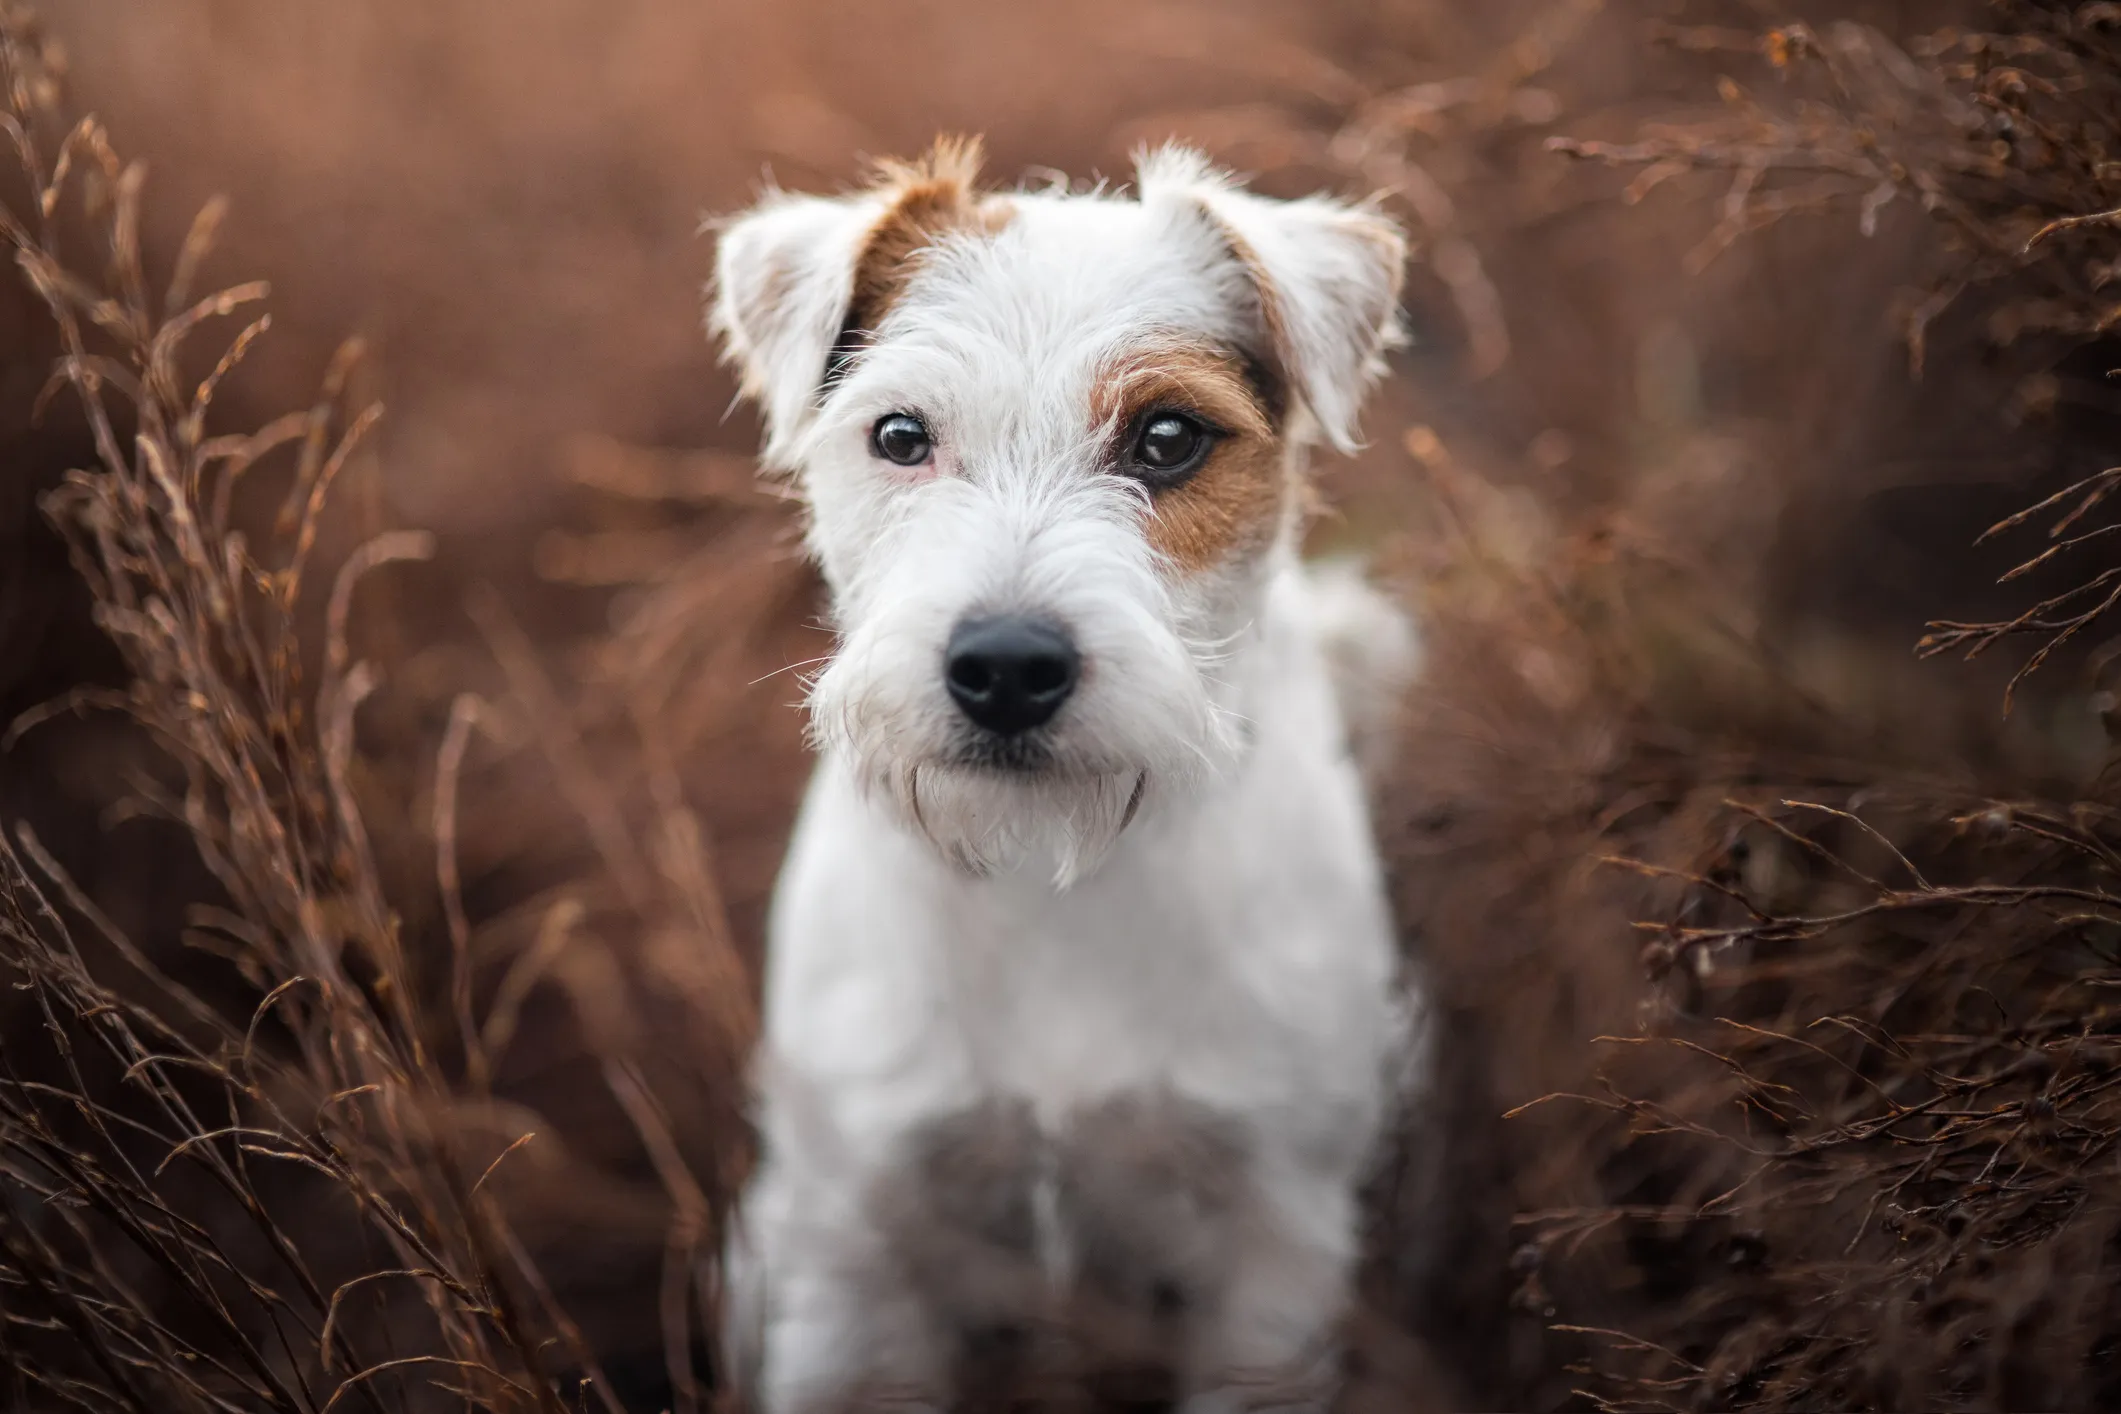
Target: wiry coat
[(1074, 1054)]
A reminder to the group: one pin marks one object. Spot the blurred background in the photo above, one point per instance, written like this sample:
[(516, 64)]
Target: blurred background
[(1689, 448)]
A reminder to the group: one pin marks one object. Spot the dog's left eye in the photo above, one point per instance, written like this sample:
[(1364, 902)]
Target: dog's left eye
[(1168, 447), (901, 438)]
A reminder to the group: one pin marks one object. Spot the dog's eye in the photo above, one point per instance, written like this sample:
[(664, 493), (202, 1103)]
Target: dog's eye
[(1167, 448), (901, 438)]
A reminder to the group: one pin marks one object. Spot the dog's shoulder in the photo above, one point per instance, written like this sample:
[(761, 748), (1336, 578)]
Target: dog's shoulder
[(1373, 656)]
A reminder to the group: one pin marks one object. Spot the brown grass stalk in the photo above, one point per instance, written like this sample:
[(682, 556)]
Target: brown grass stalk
[(161, 1158)]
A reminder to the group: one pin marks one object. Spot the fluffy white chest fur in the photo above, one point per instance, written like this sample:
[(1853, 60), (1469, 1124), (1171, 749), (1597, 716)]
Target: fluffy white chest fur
[(1082, 1012)]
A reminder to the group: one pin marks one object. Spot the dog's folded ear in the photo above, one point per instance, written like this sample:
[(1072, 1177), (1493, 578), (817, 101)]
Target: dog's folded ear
[(800, 281), (784, 273), (1327, 275)]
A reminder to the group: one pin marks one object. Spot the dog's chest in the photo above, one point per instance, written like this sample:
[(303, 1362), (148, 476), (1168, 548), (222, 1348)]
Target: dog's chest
[(1066, 1000), (1245, 964)]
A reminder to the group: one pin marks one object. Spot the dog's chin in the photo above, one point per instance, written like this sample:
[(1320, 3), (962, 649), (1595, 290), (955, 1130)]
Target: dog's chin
[(995, 807)]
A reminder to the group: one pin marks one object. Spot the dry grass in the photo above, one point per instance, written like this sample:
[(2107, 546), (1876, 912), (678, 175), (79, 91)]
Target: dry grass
[(288, 1206), (1791, 963), (1850, 1139)]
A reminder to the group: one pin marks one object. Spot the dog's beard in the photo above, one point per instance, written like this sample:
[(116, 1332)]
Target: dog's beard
[(985, 820), (992, 806), (1056, 799)]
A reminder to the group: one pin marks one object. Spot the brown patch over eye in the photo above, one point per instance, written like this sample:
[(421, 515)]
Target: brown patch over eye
[(1230, 499), (930, 198)]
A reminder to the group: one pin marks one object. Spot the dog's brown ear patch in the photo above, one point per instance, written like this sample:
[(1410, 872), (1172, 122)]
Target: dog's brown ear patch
[(928, 198)]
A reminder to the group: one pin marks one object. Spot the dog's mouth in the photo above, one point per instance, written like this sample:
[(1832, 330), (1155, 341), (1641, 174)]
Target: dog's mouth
[(990, 807), (1005, 755), (1032, 759)]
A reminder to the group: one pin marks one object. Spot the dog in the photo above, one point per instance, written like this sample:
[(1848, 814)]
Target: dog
[(1083, 1010)]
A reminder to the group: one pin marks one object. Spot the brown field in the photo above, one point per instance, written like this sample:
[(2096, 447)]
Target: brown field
[(1777, 962)]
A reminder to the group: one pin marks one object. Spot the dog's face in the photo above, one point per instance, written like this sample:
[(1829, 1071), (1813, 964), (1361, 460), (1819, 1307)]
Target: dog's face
[(1050, 445)]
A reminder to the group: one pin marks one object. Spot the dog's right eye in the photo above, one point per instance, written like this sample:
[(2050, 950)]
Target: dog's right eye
[(901, 439)]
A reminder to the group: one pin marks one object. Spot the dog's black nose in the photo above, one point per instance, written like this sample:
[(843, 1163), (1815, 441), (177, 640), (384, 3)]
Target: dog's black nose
[(1010, 674)]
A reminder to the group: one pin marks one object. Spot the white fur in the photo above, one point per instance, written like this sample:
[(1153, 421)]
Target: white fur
[(1188, 902)]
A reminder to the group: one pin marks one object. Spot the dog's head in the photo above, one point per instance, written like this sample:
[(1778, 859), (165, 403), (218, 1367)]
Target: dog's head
[(1050, 444)]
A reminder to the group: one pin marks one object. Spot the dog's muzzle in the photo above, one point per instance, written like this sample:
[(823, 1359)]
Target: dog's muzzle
[(1011, 674)]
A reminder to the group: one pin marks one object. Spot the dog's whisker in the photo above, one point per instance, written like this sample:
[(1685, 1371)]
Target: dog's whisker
[(790, 668)]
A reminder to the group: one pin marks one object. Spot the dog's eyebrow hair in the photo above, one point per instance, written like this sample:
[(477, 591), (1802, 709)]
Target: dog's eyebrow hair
[(1262, 385)]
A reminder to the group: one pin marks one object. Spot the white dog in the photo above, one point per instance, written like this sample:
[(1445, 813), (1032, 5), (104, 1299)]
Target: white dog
[(1082, 1009)]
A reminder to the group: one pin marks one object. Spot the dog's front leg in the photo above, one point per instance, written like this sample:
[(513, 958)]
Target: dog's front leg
[(1198, 1246), (819, 1318), (1272, 1342), (829, 1352)]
